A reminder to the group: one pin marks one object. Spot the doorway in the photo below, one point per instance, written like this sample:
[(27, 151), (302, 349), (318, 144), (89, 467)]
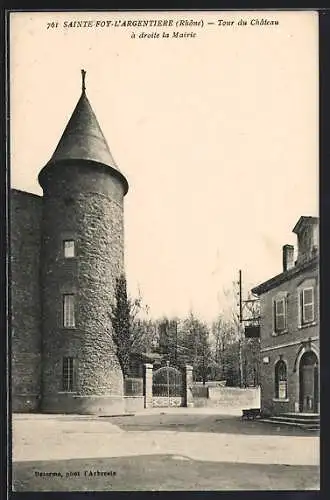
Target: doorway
[(308, 383)]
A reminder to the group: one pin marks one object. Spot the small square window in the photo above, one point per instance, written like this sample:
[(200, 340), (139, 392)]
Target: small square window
[(69, 249)]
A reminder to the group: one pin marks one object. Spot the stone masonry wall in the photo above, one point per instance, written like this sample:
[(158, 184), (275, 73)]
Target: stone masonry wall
[(230, 397), (268, 338), (165, 402), (25, 217), (269, 404), (287, 345), (85, 203), (188, 397)]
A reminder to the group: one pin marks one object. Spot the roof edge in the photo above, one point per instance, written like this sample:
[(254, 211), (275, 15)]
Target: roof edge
[(284, 276), (27, 193), (302, 220), (107, 168)]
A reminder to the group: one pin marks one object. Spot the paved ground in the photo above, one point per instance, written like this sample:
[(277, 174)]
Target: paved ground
[(161, 472), (204, 422), (176, 450)]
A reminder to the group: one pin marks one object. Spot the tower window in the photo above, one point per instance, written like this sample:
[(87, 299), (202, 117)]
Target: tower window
[(69, 249), (69, 311), (68, 375)]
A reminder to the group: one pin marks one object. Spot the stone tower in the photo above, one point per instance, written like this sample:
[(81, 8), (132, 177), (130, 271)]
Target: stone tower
[(82, 253)]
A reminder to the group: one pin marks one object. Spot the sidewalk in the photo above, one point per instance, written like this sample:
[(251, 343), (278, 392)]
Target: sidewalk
[(145, 411), (61, 438), (189, 411)]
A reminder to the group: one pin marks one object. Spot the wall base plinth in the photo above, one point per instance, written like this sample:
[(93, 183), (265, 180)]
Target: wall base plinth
[(84, 405), (25, 403)]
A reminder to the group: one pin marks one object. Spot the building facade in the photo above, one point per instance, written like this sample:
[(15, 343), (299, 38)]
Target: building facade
[(289, 328), (67, 249)]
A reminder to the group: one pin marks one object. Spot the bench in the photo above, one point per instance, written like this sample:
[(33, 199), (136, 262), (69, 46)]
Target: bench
[(251, 414)]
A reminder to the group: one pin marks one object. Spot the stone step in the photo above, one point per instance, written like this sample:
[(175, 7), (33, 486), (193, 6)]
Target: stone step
[(298, 420), (305, 426), (304, 416)]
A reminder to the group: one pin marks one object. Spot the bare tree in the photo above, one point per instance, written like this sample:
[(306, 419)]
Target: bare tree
[(248, 349), (223, 335), (196, 342), (145, 336)]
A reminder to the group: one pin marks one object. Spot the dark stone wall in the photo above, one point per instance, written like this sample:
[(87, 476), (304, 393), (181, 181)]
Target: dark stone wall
[(25, 217), (269, 404), (287, 344), (133, 403), (90, 405), (294, 331), (83, 202), (93, 405)]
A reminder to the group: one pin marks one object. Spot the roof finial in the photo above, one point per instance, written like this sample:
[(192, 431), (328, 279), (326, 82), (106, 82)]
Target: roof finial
[(83, 74)]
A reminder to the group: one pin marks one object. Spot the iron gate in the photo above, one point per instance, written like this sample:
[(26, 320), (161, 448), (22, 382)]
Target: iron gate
[(167, 388)]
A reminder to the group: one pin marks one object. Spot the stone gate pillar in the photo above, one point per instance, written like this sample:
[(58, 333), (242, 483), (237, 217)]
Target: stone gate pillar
[(188, 400), (148, 385)]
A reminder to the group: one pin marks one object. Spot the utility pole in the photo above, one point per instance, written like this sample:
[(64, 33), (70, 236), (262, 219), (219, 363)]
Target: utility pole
[(239, 329), (168, 381), (176, 343), (240, 296), (242, 320)]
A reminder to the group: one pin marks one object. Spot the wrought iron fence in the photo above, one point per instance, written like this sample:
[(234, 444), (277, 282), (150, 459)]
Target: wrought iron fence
[(167, 381)]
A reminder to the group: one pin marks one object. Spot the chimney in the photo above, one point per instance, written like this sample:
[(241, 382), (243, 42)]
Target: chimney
[(288, 257)]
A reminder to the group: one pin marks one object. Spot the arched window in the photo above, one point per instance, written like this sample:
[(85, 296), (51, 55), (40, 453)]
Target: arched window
[(281, 380)]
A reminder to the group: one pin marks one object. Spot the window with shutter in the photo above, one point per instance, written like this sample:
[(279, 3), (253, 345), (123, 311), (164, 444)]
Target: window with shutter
[(280, 320), (307, 305)]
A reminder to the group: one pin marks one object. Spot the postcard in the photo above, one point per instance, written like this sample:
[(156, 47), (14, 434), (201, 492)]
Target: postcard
[(164, 250)]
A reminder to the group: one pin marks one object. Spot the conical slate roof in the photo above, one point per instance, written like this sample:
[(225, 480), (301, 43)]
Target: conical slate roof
[(83, 139)]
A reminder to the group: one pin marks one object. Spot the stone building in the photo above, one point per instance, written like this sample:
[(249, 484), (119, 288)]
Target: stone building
[(289, 328), (67, 248)]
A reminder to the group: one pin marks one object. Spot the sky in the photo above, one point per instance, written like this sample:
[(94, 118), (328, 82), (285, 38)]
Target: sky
[(217, 135)]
